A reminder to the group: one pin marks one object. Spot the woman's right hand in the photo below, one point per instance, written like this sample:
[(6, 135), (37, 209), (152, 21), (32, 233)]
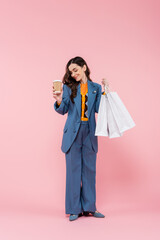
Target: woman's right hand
[(57, 96)]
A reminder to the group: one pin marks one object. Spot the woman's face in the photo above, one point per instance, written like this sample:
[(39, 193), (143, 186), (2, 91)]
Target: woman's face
[(76, 71)]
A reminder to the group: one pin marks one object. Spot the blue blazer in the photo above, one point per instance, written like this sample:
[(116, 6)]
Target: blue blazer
[(74, 114)]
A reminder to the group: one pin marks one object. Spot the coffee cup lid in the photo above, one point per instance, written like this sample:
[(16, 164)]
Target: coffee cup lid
[(57, 80)]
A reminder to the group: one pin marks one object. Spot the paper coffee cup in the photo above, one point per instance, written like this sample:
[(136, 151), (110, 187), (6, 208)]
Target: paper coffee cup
[(57, 85)]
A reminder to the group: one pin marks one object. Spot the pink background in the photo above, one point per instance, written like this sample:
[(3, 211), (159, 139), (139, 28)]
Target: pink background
[(119, 41)]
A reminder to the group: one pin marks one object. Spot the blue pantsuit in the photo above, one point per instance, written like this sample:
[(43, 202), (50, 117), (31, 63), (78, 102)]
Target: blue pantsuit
[(80, 146)]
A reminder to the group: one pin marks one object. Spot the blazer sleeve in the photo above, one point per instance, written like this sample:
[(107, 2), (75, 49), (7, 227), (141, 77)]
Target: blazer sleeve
[(98, 97), (64, 106)]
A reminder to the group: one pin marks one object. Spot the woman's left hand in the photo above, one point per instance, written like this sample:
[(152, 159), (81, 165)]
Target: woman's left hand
[(105, 82)]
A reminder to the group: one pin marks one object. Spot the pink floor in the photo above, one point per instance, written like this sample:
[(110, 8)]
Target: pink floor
[(49, 225)]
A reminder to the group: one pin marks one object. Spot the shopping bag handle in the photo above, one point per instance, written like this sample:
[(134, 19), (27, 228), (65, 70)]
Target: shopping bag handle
[(106, 89)]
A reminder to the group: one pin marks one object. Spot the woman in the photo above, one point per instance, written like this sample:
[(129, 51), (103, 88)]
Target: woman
[(80, 99)]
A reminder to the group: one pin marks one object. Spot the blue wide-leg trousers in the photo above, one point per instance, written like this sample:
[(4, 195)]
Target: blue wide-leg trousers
[(81, 174)]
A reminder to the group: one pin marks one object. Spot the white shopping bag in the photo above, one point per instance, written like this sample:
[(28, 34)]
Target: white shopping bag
[(101, 126), (113, 117)]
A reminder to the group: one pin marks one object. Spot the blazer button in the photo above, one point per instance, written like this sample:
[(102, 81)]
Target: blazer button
[(74, 130)]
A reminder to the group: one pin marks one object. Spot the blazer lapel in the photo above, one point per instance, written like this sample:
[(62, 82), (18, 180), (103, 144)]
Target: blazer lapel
[(77, 101), (91, 98)]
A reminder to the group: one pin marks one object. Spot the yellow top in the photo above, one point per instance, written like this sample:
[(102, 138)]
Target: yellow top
[(84, 90), (58, 103)]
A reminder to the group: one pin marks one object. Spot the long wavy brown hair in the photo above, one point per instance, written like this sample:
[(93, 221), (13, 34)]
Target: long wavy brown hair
[(71, 82)]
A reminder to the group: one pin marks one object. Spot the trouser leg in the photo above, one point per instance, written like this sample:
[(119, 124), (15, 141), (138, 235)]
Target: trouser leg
[(88, 194), (73, 177)]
